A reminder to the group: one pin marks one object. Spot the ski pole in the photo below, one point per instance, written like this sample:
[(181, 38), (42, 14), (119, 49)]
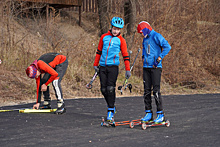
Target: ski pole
[(89, 86), (126, 80), (135, 59)]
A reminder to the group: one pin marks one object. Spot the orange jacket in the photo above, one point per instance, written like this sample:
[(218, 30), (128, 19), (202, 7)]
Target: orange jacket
[(46, 64)]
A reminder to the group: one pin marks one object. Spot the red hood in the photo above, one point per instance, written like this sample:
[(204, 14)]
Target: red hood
[(35, 63)]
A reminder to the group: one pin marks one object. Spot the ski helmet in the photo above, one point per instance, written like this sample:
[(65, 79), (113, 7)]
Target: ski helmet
[(144, 27), (117, 22)]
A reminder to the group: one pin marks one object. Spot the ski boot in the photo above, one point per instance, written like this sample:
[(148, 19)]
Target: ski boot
[(160, 117), (148, 117), (110, 114), (61, 107), (115, 111), (46, 105)]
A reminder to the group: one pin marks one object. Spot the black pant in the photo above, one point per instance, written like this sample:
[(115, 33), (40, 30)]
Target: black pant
[(152, 78), (108, 77), (61, 70)]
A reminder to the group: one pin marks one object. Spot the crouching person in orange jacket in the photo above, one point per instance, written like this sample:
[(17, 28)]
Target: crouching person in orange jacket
[(53, 66)]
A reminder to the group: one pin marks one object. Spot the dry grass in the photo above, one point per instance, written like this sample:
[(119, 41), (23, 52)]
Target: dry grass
[(191, 27)]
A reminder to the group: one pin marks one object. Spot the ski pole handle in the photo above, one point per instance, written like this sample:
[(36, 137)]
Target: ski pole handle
[(89, 86)]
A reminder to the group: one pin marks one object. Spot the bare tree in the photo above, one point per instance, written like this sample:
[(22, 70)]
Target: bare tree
[(130, 21), (103, 6), (130, 15)]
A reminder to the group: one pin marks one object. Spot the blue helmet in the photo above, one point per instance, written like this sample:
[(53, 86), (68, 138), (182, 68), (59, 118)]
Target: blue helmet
[(117, 22)]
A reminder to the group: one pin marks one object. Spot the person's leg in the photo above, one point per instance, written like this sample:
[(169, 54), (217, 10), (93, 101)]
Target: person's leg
[(111, 83), (61, 70), (112, 74), (46, 94), (103, 82), (147, 88), (156, 78), (147, 81), (47, 99)]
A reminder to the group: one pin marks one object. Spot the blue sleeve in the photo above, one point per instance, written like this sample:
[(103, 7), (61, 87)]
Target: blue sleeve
[(164, 44), (143, 50)]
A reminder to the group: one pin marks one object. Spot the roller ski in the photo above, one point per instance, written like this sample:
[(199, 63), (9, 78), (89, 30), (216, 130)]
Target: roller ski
[(147, 121), (159, 121), (45, 108), (37, 110), (166, 123), (148, 118), (108, 123), (110, 118), (113, 123), (61, 107)]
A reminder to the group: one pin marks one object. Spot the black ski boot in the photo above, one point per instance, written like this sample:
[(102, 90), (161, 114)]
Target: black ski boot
[(46, 105), (60, 107)]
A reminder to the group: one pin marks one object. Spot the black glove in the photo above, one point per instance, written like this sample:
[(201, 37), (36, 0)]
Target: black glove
[(127, 74), (96, 69)]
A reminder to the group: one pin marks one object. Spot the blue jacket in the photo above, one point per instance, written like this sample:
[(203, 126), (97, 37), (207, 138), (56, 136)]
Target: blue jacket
[(154, 46), (108, 51)]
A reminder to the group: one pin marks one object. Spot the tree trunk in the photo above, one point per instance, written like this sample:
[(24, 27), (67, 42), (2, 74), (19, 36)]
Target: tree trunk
[(103, 6), (130, 21), (130, 15)]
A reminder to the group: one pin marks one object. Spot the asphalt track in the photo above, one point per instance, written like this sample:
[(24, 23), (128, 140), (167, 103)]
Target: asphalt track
[(195, 122)]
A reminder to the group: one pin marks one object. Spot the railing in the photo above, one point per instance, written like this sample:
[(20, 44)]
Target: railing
[(115, 6)]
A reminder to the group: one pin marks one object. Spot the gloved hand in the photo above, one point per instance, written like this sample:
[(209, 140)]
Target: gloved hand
[(157, 62), (127, 74), (96, 69)]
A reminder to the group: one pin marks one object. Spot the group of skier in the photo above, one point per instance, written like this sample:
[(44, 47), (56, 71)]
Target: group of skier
[(51, 67)]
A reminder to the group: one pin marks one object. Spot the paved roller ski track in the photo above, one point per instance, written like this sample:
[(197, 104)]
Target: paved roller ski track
[(195, 121)]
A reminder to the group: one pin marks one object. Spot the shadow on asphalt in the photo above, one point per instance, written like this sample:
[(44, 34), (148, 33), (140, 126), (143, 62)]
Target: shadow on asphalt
[(194, 122)]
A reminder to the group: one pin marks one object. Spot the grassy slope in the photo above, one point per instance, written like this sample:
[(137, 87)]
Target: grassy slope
[(191, 66)]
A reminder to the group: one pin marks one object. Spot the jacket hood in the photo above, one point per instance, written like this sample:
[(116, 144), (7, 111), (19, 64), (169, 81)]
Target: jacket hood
[(144, 27), (35, 63)]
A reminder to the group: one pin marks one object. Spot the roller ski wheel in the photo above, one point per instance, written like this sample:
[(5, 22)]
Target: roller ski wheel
[(134, 123), (108, 123), (144, 126), (113, 124), (103, 121), (131, 125), (167, 123), (163, 123)]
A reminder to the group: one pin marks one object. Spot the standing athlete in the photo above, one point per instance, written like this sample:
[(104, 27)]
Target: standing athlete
[(107, 57), (155, 48)]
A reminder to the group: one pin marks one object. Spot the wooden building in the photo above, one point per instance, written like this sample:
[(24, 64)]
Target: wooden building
[(61, 3)]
